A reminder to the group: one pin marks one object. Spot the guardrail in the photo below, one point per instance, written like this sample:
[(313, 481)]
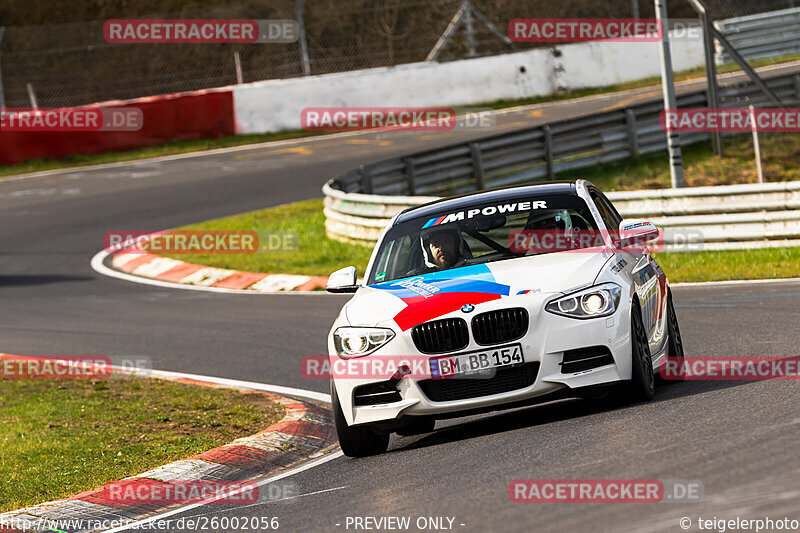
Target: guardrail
[(540, 152), (764, 35), (709, 218), (359, 203)]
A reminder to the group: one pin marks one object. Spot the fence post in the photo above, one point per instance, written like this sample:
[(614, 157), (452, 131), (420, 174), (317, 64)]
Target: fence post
[(237, 62), (32, 96), (711, 78), (301, 30), (412, 185), (633, 139), (635, 9), (477, 165), (548, 150), (470, 29), (756, 146), (668, 89)]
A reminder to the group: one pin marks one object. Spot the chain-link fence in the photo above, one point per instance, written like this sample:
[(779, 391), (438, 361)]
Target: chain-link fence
[(72, 64)]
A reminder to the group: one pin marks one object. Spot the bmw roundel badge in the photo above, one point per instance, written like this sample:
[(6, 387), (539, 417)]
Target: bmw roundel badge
[(468, 308)]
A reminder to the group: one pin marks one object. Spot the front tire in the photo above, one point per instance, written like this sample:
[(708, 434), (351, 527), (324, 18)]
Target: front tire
[(674, 342), (356, 441), (641, 387)]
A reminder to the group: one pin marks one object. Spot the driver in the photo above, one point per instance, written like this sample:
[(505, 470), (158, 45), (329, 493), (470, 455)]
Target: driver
[(442, 248)]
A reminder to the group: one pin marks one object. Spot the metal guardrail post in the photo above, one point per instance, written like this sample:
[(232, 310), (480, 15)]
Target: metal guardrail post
[(548, 150), (668, 89), (630, 121), (412, 177), (711, 78), (366, 180), (477, 165)]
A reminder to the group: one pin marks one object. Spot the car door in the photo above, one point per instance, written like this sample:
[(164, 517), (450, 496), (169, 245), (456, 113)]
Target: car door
[(648, 278)]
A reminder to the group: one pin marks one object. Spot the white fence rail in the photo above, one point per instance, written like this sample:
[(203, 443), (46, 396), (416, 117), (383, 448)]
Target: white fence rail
[(700, 218)]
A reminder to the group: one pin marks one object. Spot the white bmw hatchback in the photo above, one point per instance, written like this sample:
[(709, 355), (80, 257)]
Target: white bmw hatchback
[(495, 299)]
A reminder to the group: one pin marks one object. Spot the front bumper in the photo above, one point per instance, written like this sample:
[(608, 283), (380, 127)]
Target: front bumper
[(548, 337)]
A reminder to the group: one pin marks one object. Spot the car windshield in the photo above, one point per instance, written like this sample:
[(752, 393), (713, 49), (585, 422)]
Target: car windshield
[(480, 233)]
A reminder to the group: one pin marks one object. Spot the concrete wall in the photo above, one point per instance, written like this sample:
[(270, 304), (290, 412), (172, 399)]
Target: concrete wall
[(275, 105)]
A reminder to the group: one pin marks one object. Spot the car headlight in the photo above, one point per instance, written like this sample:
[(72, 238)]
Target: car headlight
[(357, 342), (597, 301)]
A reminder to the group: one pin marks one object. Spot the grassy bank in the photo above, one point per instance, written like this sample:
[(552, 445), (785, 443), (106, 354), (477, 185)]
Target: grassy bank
[(779, 154), (316, 255), (765, 263), (61, 437)]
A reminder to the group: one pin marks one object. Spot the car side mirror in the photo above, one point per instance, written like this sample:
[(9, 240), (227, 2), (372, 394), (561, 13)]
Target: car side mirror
[(343, 280), (635, 232)]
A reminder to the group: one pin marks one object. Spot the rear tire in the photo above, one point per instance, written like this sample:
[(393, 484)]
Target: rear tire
[(674, 343), (641, 387), (356, 441)]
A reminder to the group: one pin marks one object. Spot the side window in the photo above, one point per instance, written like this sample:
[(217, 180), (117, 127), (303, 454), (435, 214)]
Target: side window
[(610, 216), (395, 260), (613, 210), (403, 257)]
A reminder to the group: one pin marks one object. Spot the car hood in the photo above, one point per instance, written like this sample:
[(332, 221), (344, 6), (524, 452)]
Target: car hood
[(410, 301)]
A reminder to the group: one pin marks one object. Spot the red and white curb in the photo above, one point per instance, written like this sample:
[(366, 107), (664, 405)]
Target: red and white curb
[(141, 267), (174, 270), (306, 432)]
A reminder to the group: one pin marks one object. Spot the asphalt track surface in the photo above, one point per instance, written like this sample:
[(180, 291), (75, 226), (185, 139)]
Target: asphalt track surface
[(738, 438)]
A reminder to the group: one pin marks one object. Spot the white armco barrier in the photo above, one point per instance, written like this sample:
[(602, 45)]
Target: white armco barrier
[(275, 105), (693, 219)]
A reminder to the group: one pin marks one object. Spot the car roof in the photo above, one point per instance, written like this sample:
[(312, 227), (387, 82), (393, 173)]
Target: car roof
[(457, 203)]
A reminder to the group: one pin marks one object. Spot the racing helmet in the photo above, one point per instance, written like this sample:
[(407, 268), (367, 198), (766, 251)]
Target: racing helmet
[(426, 235)]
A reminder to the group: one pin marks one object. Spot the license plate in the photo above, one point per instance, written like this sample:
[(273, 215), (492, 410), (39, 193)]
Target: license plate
[(477, 362)]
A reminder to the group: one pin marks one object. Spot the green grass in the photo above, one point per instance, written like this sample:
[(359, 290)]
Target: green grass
[(763, 263), (319, 255), (62, 437), (180, 147), (779, 156), (316, 255)]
